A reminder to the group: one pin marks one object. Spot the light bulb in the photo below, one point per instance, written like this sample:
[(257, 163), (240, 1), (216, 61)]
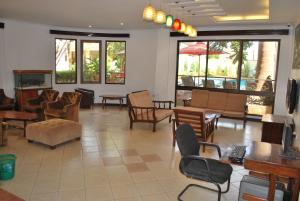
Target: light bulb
[(160, 17), (149, 13)]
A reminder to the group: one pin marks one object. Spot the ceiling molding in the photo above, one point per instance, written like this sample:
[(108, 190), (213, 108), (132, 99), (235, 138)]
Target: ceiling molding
[(90, 34), (2, 25), (237, 32)]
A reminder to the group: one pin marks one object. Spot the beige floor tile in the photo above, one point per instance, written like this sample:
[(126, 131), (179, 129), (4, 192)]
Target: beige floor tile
[(99, 194), (72, 183), (42, 187), (75, 195), (149, 188), (142, 176), (156, 197), (96, 181), (124, 191), (44, 197)]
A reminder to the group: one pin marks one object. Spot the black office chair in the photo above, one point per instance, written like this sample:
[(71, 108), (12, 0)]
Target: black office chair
[(194, 166)]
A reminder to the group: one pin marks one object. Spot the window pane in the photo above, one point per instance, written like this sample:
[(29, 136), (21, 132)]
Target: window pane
[(259, 66), (260, 105), (115, 62), (223, 58), (90, 62), (192, 64), (66, 64)]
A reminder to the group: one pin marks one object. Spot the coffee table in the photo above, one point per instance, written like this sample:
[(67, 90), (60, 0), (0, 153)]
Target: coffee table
[(112, 97), (18, 116)]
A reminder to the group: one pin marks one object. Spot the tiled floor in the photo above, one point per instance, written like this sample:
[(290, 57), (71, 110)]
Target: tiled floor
[(114, 163)]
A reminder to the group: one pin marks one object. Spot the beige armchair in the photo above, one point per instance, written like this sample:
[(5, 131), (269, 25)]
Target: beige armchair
[(67, 107), (143, 109)]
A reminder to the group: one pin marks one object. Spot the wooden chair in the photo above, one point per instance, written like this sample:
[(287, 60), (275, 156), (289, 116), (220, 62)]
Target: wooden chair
[(203, 127), (6, 103), (141, 108)]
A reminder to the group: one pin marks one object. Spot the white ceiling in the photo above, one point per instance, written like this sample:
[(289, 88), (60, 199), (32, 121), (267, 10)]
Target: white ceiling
[(108, 14)]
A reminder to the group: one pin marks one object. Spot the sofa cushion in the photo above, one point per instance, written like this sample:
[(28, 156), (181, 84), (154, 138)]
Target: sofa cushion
[(217, 100), (233, 114), (199, 98), (236, 102), (160, 114), (141, 99)]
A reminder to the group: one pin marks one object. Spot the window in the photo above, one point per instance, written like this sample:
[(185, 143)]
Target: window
[(236, 66), (115, 62), (90, 61), (66, 61)]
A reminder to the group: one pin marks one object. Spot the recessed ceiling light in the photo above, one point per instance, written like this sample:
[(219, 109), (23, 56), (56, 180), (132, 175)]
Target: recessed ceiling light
[(90, 26), (122, 23), (241, 17)]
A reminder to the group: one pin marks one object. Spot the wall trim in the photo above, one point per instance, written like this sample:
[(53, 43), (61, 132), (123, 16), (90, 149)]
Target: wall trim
[(236, 32), (90, 34), (2, 25)]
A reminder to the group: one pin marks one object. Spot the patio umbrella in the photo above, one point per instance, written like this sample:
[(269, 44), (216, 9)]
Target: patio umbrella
[(199, 49)]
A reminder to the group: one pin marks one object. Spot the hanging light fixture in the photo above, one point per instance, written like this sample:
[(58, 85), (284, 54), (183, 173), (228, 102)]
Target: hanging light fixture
[(149, 13), (169, 20), (160, 17), (193, 33), (177, 24), (188, 29), (183, 27)]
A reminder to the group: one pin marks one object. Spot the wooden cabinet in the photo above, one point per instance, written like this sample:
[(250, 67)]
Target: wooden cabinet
[(272, 128), (28, 83)]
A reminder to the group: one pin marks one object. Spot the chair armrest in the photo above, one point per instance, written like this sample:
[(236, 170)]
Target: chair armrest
[(194, 157), (7, 100), (212, 145), (163, 104), (187, 102), (143, 111), (54, 105), (34, 101)]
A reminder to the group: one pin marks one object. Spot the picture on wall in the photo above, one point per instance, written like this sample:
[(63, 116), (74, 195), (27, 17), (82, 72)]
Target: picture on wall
[(296, 63)]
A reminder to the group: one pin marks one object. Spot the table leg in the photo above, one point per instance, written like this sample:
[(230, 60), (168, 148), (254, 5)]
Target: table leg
[(25, 124), (121, 102), (103, 102), (295, 190), (272, 187), (217, 120)]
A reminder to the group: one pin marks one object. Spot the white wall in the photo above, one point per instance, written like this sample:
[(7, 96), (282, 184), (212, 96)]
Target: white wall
[(151, 58), (165, 76), (30, 46)]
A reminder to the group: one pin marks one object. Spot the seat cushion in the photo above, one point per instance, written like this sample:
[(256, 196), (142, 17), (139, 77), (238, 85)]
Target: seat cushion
[(199, 98), (160, 114), (234, 114), (236, 102), (217, 100), (219, 172), (57, 113)]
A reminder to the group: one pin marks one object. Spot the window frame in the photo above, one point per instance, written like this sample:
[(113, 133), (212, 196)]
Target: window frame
[(105, 71), (76, 62), (81, 61), (236, 91)]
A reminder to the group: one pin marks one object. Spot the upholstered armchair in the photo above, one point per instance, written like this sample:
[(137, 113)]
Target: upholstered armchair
[(67, 107), (6, 103), (37, 104), (87, 99)]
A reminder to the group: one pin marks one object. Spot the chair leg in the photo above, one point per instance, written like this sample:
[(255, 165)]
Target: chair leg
[(154, 127), (170, 119), (131, 124), (219, 191), (244, 123), (203, 148)]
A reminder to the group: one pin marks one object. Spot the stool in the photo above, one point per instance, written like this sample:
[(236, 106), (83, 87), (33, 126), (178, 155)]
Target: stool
[(53, 132), (259, 187)]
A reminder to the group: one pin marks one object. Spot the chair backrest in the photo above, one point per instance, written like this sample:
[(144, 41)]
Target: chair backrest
[(210, 84), (236, 102), (70, 98), (195, 117), (49, 94), (186, 140), (187, 81), (140, 99), (199, 98)]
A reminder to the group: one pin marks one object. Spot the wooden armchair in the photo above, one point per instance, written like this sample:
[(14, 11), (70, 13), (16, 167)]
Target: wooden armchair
[(203, 127), (6, 103), (141, 108), (67, 107)]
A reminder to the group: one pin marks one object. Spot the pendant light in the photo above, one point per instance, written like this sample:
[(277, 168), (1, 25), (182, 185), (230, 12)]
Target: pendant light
[(193, 34), (149, 13), (188, 29), (183, 27), (160, 17), (169, 20), (177, 24)]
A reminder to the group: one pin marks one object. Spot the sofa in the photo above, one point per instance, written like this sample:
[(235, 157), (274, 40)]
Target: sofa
[(141, 108), (228, 105), (87, 97), (6, 103), (66, 107), (37, 105)]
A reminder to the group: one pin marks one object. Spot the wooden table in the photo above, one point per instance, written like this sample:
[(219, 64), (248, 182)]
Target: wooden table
[(19, 116), (265, 158), (272, 127), (112, 97)]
